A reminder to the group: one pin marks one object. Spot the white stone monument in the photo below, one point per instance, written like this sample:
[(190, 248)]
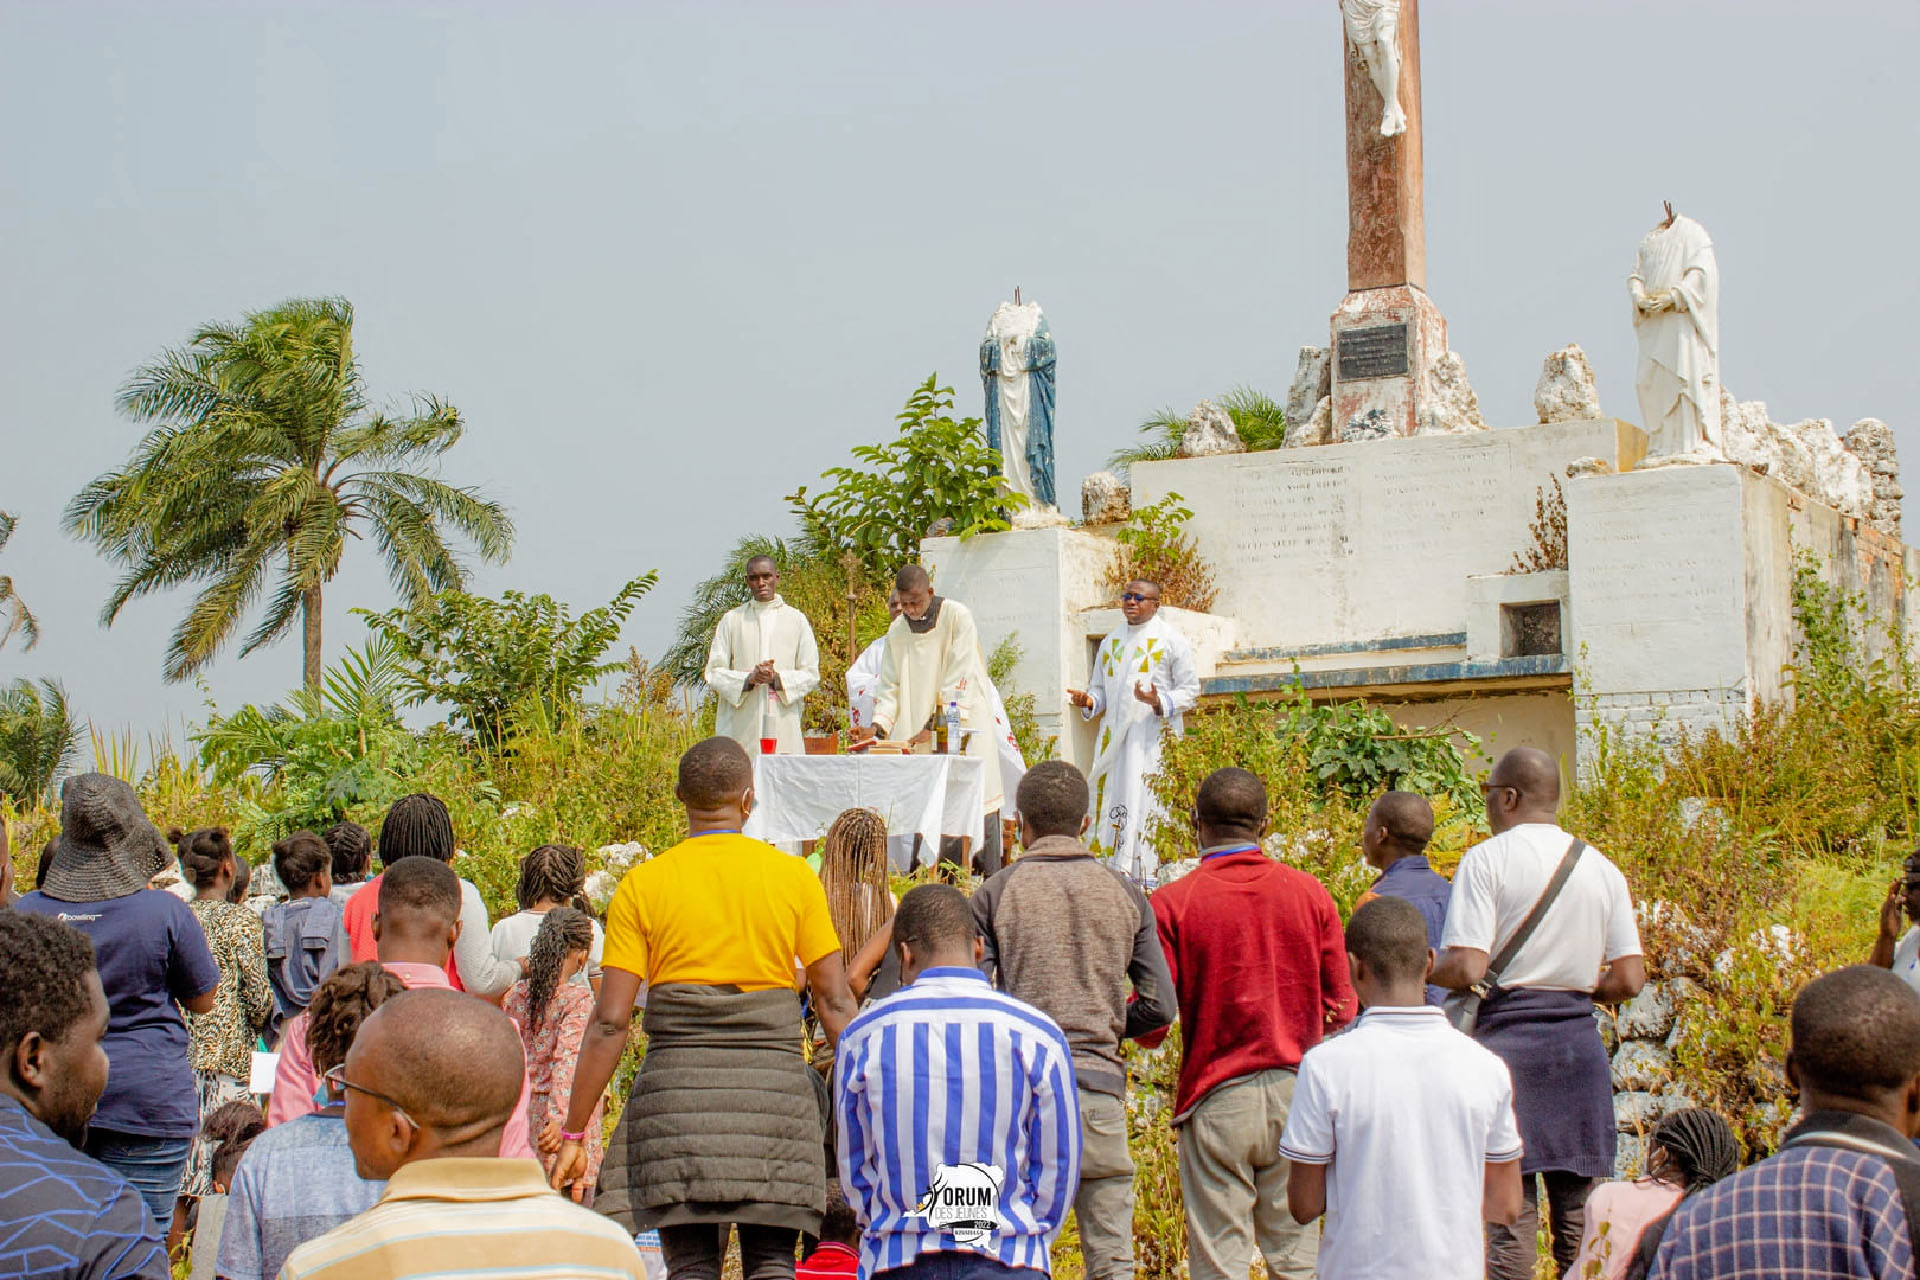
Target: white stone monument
[(1675, 287)]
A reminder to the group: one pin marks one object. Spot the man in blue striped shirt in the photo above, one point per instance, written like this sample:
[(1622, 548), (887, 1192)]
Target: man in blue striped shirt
[(959, 1122)]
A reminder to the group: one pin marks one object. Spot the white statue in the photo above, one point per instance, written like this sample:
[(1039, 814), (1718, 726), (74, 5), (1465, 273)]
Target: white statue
[(1676, 315), (1017, 371), (1374, 28)]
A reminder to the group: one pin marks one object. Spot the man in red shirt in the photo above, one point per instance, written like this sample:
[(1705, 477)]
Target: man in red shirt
[(1260, 974)]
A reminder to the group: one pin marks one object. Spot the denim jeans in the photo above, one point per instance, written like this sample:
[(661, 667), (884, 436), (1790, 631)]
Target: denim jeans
[(154, 1166), (957, 1266)]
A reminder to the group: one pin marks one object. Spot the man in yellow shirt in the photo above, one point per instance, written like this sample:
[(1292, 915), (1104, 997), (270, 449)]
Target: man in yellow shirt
[(725, 1122)]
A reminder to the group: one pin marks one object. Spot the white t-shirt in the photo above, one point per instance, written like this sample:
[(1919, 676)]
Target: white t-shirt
[(1906, 957), (1591, 923), (513, 938), (1407, 1112)]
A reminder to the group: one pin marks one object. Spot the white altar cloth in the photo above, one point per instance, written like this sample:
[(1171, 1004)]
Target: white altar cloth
[(798, 797)]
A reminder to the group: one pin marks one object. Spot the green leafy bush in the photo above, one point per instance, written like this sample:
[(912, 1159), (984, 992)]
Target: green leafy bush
[(1155, 546), (486, 659), (937, 468)]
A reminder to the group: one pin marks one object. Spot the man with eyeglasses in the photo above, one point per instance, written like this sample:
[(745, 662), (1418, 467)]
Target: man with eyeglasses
[(762, 665), (1538, 1015), (429, 1083), (1142, 685)]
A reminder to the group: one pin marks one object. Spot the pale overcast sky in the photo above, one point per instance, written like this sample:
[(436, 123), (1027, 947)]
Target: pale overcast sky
[(672, 261)]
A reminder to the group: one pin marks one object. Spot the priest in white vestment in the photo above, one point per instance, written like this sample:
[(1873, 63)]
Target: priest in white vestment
[(932, 658), (1142, 685), (762, 665), (863, 682), (1675, 288)]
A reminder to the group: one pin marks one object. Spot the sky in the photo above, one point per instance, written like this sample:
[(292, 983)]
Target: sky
[(672, 261)]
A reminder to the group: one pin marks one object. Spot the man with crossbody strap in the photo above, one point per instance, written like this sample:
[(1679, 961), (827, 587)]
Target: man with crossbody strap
[(1583, 949), (1839, 1198)]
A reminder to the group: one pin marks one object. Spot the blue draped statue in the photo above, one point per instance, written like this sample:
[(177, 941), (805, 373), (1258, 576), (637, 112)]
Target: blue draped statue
[(1016, 369)]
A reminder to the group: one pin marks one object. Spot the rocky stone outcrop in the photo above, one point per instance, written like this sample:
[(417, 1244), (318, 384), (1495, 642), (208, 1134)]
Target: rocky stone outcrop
[(1209, 431), (1871, 441), (1312, 383), (1807, 456), (1315, 428), (1450, 407), (1566, 390), (1104, 500)]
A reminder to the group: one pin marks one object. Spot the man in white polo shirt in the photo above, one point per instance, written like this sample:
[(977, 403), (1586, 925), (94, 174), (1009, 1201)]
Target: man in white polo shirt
[(1402, 1128), (1538, 1016)]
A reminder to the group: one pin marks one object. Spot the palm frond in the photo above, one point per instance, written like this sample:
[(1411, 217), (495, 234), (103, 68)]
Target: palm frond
[(38, 739), (251, 423), (19, 619)]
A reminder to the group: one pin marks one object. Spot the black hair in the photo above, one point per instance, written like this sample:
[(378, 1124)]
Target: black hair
[(839, 1226), (562, 933), (1407, 818), (1231, 800), (420, 885), (713, 773), (552, 873), (43, 970), (300, 858), (242, 881), (45, 864), (934, 917), (762, 558), (352, 850), (1856, 1033), (341, 1004), (416, 826), (202, 852), (1700, 1146), (230, 1130), (912, 577), (1389, 936), (1052, 799)]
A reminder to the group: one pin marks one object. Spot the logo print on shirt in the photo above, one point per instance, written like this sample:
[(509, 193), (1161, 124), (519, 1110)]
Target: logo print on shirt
[(965, 1200)]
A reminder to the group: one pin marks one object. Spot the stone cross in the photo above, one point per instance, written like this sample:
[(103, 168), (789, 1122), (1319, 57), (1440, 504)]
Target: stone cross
[(1389, 340), (1386, 226)]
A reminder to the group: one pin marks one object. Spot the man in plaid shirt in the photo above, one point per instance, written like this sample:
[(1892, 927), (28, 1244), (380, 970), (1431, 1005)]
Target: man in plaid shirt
[(1830, 1204)]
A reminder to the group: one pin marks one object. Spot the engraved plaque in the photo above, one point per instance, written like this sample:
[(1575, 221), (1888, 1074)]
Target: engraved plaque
[(1377, 352)]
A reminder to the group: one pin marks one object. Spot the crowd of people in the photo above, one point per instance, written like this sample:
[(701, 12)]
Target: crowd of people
[(920, 1088)]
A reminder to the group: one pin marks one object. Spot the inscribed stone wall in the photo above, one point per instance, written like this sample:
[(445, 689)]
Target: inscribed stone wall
[(1372, 540)]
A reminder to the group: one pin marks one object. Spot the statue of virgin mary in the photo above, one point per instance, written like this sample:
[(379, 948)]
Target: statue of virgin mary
[(1016, 366)]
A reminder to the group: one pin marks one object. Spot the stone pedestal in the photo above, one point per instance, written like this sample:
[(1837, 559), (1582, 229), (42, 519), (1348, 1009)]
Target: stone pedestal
[(1385, 343)]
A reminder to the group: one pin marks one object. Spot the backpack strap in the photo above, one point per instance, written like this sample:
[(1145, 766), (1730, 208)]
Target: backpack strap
[(1905, 1166)]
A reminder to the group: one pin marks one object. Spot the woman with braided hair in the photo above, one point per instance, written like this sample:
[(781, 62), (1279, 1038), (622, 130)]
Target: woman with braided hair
[(1688, 1150), (554, 875), (853, 870), (553, 1014)]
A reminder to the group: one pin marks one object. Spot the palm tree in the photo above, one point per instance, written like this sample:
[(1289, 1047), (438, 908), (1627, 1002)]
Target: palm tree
[(265, 460), (1258, 417), (19, 617), (38, 737)]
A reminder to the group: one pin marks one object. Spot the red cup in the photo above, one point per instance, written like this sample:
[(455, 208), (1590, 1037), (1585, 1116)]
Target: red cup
[(769, 745)]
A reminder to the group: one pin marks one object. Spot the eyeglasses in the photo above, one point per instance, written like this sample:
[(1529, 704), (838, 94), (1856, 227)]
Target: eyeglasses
[(338, 1078), (1134, 597)]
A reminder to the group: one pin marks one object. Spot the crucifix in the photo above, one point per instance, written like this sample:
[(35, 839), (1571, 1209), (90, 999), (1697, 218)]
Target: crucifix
[(1386, 230), (1387, 333)]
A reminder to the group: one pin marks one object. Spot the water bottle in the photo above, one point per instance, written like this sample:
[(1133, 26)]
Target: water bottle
[(953, 728)]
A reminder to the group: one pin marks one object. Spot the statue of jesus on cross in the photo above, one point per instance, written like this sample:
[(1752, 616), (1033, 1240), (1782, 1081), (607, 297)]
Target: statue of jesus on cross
[(1373, 26)]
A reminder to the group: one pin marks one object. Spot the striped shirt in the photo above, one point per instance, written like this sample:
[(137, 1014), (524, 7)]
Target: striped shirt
[(959, 1124), (462, 1219)]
